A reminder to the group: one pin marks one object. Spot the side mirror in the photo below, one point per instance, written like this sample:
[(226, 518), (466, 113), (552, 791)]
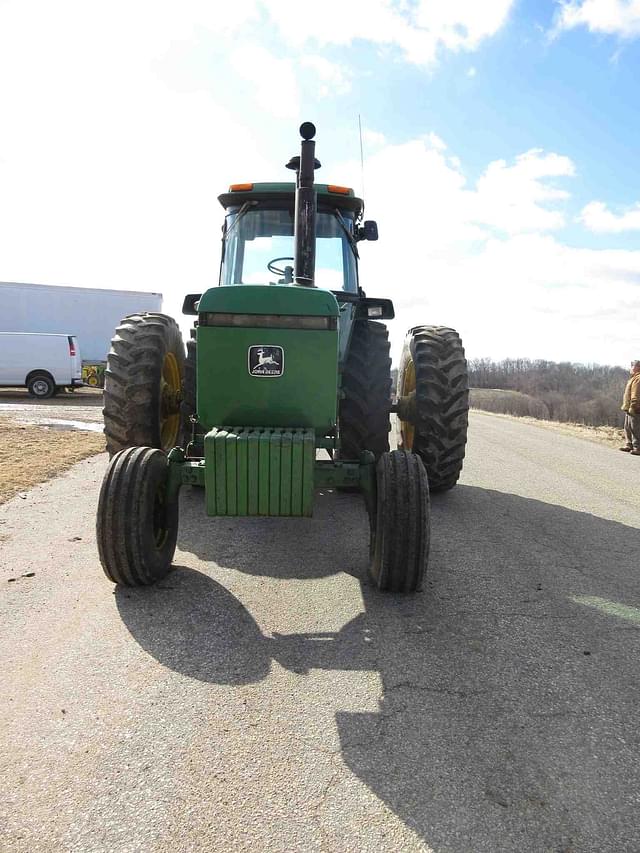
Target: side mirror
[(190, 304), (369, 230)]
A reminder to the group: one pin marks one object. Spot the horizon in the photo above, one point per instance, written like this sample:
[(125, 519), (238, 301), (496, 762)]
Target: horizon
[(184, 319)]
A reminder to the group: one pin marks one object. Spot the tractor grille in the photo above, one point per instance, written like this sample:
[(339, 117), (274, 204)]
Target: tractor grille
[(268, 321), (259, 471)]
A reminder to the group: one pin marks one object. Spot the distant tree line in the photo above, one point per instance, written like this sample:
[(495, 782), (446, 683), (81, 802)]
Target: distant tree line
[(578, 393)]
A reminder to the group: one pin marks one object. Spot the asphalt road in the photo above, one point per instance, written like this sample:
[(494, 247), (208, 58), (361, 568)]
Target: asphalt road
[(265, 698)]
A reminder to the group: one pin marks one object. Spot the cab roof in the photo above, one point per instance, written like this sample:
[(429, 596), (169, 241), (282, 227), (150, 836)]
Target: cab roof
[(328, 194)]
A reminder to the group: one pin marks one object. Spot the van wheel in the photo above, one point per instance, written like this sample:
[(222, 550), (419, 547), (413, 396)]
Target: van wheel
[(41, 385)]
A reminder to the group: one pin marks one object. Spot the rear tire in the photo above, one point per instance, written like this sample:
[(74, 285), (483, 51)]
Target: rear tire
[(143, 384), (366, 387), (137, 528), (434, 365), (41, 386), (400, 533)]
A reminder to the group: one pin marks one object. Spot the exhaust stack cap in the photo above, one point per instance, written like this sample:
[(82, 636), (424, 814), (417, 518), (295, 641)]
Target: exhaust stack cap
[(307, 130)]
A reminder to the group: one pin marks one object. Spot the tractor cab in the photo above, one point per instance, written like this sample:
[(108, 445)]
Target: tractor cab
[(258, 236)]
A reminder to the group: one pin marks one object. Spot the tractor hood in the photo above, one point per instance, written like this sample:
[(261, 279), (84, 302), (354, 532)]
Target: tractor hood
[(268, 299)]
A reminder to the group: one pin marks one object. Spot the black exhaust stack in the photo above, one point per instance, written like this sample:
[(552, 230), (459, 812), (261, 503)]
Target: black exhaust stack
[(306, 204)]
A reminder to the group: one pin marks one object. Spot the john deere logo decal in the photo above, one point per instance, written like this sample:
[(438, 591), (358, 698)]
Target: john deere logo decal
[(266, 361)]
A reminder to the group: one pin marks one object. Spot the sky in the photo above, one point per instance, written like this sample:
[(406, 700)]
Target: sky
[(501, 146)]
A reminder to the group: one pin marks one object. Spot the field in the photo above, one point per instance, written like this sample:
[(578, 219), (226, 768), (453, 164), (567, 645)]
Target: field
[(40, 440)]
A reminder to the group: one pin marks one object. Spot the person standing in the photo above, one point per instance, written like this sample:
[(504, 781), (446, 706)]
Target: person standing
[(631, 408)]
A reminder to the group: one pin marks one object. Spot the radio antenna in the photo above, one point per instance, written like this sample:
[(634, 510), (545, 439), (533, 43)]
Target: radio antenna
[(361, 157)]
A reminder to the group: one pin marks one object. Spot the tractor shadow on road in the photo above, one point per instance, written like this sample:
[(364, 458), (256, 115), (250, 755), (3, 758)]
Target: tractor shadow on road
[(194, 626), (334, 540), (510, 709)]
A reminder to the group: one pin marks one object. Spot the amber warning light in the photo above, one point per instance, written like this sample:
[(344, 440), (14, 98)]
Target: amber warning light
[(238, 188)]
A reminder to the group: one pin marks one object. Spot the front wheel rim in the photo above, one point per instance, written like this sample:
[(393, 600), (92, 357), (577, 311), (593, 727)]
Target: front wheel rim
[(160, 528)]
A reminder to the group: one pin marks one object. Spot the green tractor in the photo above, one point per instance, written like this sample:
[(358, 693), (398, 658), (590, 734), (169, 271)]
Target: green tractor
[(288, 362)]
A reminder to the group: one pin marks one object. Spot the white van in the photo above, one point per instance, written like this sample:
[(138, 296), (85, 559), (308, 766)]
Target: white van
[(43, 363)]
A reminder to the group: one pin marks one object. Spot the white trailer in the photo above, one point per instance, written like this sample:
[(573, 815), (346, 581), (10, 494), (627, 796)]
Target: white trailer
[(89, 313)]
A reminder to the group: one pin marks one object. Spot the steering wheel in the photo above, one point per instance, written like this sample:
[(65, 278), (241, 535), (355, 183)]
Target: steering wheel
[(276, 270)]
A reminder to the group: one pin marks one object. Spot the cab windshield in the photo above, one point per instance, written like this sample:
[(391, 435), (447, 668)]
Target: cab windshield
[(259, 238)]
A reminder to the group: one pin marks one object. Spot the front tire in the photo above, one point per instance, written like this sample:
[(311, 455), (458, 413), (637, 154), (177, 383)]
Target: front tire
[(143, 384), (137, 527), (433, 374), (400, 532)]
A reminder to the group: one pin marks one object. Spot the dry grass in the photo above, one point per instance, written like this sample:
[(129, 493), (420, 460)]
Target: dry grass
[(31, 454), (505, 402)]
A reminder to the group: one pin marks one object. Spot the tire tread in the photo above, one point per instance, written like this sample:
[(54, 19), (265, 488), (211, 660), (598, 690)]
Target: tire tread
[(132, 379), (442, 402), (401, 534), (123, 534), (366, 386)]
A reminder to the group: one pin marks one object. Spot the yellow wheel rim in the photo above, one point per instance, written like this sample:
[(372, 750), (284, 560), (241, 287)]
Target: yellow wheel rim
[(93, 381), (170, 391), (406, 385)]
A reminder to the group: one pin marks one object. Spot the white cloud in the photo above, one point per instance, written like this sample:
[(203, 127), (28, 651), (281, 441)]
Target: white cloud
[(472, 72), (418, 30), (597, 217), (482, 260), (436, 142), (372, 138), (272, 79), (610, 17), (516, 198), (510, 198), (462, 24), (333, 77)]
